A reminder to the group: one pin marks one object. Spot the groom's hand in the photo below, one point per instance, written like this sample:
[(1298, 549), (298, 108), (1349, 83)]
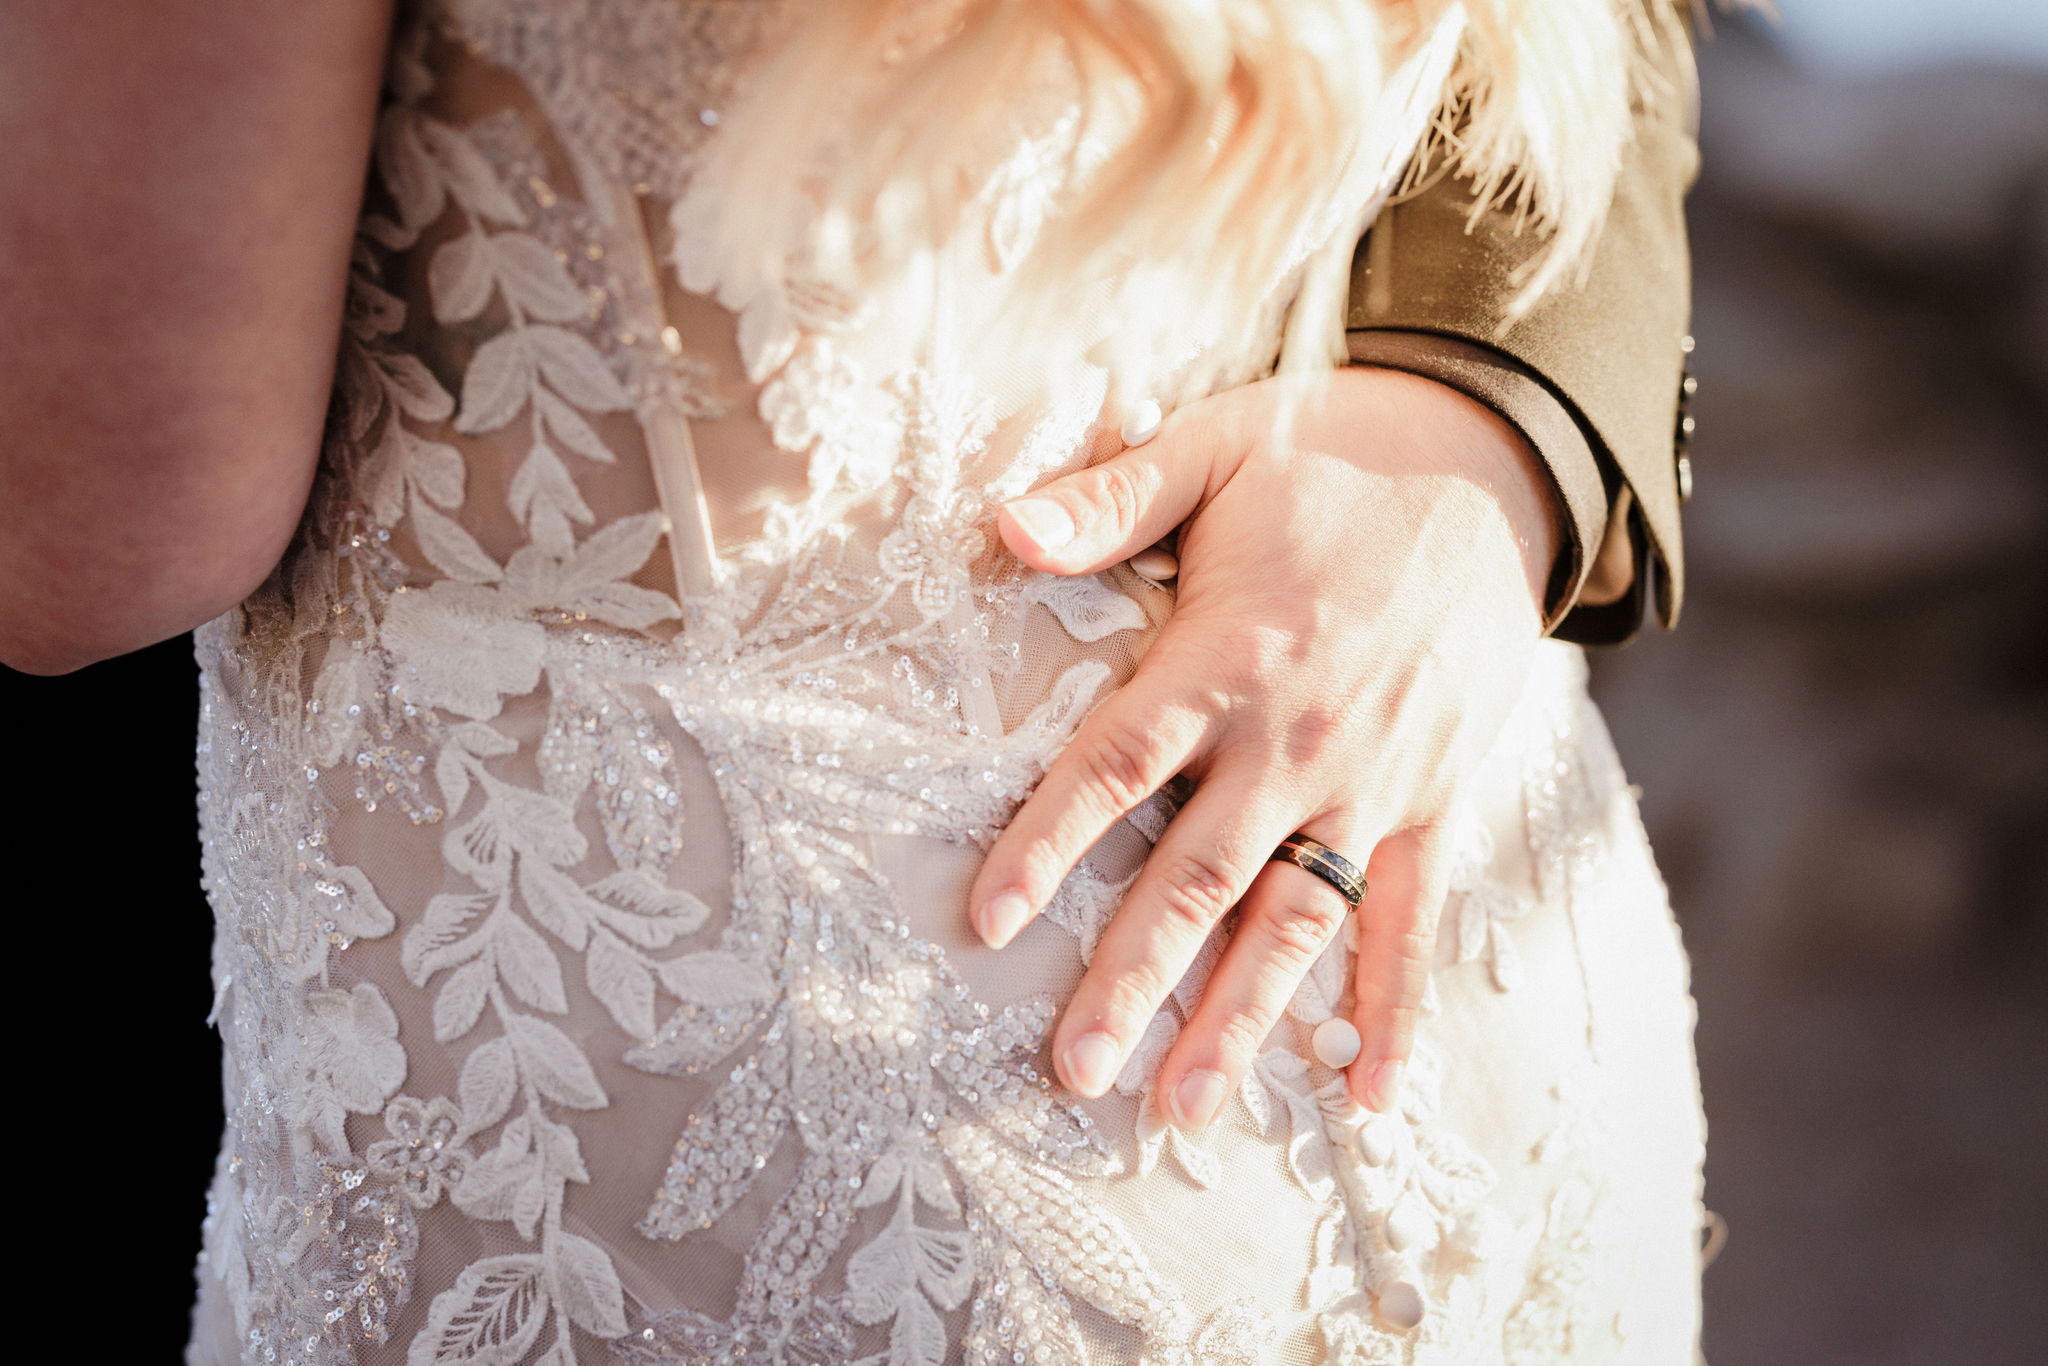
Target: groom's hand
[(1357, 608)]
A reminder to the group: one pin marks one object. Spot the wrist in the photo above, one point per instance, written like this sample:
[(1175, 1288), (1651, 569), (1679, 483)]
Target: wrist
[(1431, 427)]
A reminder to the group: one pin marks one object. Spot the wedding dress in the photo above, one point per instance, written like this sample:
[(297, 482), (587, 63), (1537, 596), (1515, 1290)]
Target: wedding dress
[(590, 799)]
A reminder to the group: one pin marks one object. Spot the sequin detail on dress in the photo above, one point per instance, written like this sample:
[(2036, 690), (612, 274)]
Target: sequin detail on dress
[(527, 867)]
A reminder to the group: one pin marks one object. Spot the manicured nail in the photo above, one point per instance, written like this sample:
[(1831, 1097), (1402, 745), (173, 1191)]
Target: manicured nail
[(1141, 423), (1197, 1099), (1383, 1091), (1335, 1042), (1091, 1062), (1002, 916), (1047, 523)]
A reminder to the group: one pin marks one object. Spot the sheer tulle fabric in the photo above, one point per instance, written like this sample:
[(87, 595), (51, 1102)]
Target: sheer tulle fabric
[(589, 861)]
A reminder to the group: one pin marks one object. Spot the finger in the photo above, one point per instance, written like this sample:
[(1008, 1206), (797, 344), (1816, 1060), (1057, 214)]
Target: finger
[(1407, 880), (1284, 924), (1201, 868), (1091, 519), (1130, 747)]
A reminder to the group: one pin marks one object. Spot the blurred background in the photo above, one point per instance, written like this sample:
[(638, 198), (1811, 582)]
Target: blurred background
[(1843, 751)]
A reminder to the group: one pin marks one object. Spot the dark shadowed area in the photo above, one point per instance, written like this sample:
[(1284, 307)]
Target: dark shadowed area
[(111, 940), (1844, 748)]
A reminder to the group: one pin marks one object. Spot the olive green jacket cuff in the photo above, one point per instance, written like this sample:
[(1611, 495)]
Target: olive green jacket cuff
[(1518, 395), (1591, 374)]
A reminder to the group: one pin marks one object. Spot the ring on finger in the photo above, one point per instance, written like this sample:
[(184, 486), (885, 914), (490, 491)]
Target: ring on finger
[(1313, 856)]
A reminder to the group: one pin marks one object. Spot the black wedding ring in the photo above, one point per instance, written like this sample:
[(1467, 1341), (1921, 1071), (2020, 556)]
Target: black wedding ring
[(1312, 856)]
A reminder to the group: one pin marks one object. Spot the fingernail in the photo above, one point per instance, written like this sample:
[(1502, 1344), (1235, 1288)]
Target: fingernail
[(1197, 1099), (1383, 1092), (1092, 1062), (1002, 916), (1047, 523), (1155, 564), (1335, 1042), (1141, 423)]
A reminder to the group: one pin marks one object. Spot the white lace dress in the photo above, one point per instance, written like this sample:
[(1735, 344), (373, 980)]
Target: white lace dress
[(590, 800)]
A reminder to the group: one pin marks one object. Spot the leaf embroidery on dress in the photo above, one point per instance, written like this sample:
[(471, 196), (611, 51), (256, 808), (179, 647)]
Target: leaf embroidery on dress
[(908, 1273), (1089, 608), (356, 1059), (882, 1125)]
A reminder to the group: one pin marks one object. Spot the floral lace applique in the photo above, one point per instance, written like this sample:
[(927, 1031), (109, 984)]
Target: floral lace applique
[(1580, 1239), (1483, 908), (851, 1073), (906, 1171), (1564, 801), (667, 72)]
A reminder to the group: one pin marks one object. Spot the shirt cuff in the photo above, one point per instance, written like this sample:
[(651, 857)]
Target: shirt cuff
[(1500, 382)]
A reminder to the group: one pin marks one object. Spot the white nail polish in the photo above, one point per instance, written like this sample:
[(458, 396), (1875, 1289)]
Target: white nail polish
[(1336, 1043), (1044, 521), (1141, 423)]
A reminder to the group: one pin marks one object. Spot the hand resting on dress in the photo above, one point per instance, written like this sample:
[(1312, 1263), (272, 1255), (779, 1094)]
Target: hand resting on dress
[(1356, 616)]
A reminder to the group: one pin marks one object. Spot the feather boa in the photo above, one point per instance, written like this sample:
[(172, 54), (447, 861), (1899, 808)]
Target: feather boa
[(1223, 154)]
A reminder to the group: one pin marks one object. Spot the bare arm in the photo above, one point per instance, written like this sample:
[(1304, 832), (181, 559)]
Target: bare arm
[(179, 181)]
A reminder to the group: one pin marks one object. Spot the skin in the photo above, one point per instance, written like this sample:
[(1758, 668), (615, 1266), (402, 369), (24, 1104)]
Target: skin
[(174, 242), (1359, 603)]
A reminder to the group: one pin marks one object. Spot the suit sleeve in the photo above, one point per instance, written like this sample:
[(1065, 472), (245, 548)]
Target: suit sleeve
[(1591, 375)]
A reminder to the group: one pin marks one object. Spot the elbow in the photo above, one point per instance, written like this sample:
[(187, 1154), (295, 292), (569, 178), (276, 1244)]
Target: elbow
[(58, 624), (48, 640), (111, 547), (40, 641), (46, 658), (47, 649)]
